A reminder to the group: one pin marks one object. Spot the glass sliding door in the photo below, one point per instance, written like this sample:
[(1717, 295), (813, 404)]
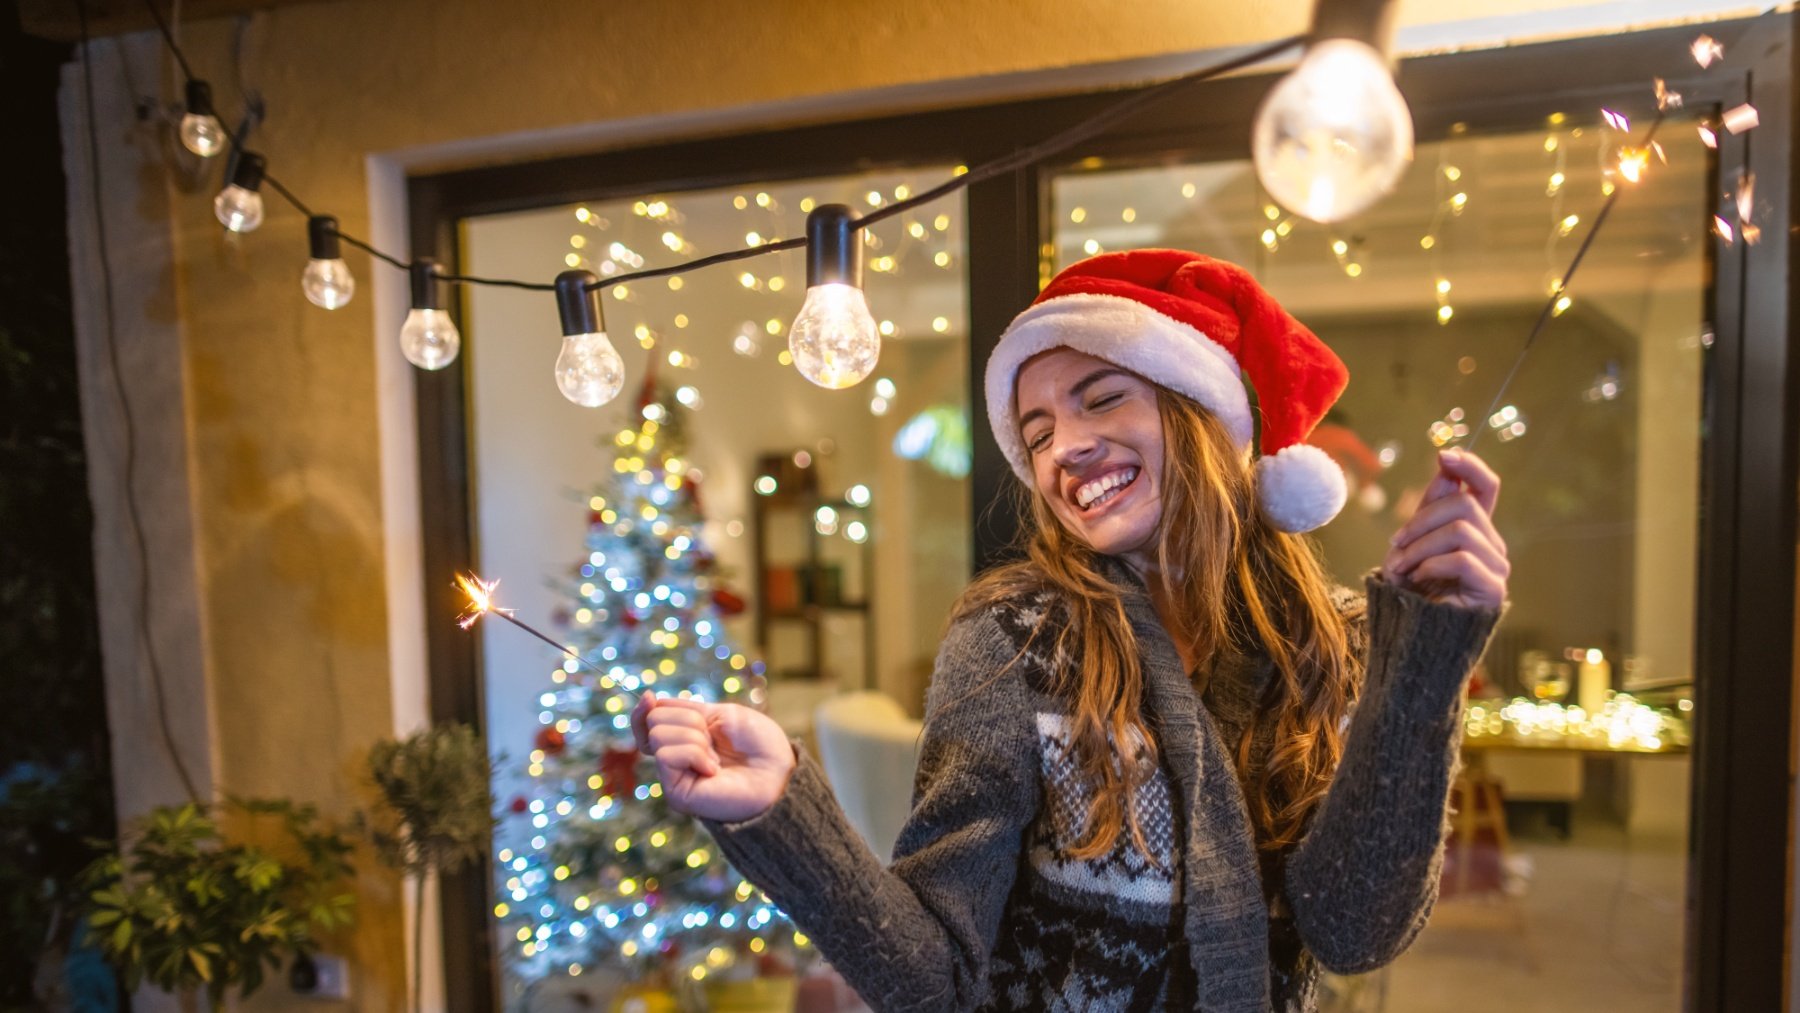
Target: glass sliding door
[(1565, 877), (724, 526)]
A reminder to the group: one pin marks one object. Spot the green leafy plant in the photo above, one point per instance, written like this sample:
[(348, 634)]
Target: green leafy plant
[(436, 814), (181, 906)]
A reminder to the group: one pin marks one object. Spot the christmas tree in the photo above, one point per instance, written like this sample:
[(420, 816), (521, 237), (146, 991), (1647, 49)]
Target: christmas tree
[(600, 873)]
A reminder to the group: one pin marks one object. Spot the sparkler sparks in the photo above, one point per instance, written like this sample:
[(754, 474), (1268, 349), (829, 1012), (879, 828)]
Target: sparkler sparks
[(481, 603), (481, 599), (1706, 49)]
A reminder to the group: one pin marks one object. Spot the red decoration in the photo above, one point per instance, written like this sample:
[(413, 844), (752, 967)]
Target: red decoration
[(693, 491), (551, 741), (728, 603), (594, 519), (631, 621), (519, 804), (618, 771)]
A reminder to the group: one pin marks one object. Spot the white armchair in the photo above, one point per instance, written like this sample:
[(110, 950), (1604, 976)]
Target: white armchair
[(869, 748)]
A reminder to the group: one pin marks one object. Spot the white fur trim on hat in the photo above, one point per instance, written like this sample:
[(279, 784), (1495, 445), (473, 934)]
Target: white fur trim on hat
[(1300, 488), (1127, 333)]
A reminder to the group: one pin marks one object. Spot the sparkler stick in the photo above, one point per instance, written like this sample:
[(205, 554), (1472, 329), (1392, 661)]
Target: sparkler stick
[(1631, 167)]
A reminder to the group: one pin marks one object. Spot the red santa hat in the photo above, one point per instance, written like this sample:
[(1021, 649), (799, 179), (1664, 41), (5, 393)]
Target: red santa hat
[(1200, 327)]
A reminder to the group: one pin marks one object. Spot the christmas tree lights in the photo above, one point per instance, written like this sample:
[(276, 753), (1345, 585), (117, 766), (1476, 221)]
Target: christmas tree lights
[(595, 869)]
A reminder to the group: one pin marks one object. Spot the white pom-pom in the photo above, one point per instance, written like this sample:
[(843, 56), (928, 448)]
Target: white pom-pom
[(1300, 488)]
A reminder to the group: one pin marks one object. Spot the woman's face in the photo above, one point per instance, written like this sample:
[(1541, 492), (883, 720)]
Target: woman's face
[(1095, 441)]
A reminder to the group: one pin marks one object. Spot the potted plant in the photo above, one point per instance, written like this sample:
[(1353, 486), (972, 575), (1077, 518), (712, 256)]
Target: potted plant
[(187, 909), (436, 814)]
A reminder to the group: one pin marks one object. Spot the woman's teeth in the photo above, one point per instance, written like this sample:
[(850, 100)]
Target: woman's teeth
[(1103, 489)]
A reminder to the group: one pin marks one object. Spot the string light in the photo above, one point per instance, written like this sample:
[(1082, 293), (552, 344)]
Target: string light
[(1334, 136), (589, 371), (834, 341), (327, 280), (239, 207), (429, 338), (200, 130)]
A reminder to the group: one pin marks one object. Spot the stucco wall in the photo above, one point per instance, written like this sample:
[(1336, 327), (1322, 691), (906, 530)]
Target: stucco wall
[(279, 502)]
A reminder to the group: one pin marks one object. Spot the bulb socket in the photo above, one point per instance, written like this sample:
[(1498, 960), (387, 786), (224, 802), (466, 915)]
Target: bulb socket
[(248, 173), (578, 303), (834, 252), (322, 237), (1367, 21), (425, 295), (199, 99)]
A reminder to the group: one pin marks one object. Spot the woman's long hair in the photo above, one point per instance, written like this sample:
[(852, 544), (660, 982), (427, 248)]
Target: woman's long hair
[(1239, 586)]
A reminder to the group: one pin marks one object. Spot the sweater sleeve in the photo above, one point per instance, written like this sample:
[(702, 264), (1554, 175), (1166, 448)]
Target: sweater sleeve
[(918, 934), (1364, 878)]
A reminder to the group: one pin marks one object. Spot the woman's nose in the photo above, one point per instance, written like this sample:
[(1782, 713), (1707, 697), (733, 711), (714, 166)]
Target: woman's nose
[(1073, 448)]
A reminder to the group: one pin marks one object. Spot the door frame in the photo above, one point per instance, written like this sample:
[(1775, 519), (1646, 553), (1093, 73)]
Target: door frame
[(1737, 926)]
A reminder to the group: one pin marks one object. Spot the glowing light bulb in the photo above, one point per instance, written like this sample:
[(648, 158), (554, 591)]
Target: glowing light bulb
[(200, 130), (589, 371), (239, 206), (1334, 136), (834, 341), (429, 338), (326, 281)]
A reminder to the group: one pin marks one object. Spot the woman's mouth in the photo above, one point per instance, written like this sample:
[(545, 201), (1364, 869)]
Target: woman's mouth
[(1094, 497)]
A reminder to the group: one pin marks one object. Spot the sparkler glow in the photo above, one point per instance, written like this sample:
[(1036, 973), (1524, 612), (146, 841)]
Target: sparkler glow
[(481, 603)]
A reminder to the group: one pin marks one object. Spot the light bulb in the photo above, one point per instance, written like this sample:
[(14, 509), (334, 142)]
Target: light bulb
[(239, 207), (200, 130), (429, 338), (202, 135), (589, 371), (834, 341), (1334, 136), (326, 281)]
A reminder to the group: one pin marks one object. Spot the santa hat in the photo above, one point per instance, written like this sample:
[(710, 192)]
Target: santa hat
[(1200, 327)]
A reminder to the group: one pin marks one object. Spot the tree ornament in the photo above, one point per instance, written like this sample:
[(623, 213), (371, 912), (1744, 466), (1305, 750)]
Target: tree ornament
[(728, 603), (551, 741)]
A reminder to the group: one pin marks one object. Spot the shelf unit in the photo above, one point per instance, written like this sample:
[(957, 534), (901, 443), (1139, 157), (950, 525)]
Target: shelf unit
[(805, 576)]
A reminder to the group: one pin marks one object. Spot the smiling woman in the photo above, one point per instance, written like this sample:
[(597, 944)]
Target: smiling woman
[(1086, 828)]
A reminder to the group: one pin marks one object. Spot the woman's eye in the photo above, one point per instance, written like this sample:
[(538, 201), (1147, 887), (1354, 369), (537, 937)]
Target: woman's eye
[(1102, 402), (1037, 442)]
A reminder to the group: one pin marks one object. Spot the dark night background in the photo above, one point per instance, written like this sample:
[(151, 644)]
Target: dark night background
[(54, 786)]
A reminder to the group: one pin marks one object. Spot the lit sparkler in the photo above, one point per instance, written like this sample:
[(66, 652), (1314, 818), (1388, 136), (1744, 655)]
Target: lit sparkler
[(481, 603)]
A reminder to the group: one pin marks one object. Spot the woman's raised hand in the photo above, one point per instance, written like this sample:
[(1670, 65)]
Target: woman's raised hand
[(1449, 550), (717, 761)]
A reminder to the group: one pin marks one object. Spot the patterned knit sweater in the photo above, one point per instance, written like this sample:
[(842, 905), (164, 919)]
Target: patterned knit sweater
[(985, 908)]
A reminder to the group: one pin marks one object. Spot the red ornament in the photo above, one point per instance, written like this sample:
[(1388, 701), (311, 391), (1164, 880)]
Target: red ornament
[(629, 620), (693, 491), (595, 520), (618, 771), (519, 804), (551, 741), (728, 603)]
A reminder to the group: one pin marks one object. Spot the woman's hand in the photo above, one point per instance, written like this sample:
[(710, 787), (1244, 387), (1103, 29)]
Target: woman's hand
[(1449, 550), (717, 761)]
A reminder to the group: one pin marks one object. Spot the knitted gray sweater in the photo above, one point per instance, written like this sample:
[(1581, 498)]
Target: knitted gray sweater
[(985, 908)]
